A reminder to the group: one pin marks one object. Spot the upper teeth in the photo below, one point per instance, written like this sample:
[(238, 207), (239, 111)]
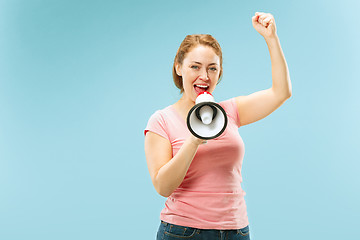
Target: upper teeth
[(201, 86)]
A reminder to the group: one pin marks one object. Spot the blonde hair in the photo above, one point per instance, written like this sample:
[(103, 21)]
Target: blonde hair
[(186, 46)]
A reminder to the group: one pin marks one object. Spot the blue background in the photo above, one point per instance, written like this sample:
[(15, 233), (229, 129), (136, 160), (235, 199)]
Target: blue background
[(79, 80)]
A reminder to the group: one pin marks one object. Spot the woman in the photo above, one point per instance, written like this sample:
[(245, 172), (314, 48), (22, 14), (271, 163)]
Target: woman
[(202, 180)]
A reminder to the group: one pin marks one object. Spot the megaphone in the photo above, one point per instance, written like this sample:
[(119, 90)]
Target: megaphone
[(207, 119)]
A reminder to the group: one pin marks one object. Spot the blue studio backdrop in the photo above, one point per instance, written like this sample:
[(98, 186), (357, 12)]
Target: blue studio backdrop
[(79, 80)]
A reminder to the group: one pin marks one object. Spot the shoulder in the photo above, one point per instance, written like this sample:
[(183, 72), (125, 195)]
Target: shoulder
[(229, 103), (161, 114), (231, 109), (158, 122)]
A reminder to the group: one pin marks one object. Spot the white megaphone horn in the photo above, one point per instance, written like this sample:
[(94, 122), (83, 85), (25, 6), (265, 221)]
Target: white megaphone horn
[(207, 119)]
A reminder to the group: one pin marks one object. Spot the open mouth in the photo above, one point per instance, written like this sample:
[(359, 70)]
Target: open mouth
[(200, 88)]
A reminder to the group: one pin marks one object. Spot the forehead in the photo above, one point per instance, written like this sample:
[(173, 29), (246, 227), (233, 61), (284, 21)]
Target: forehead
[(202, 54)]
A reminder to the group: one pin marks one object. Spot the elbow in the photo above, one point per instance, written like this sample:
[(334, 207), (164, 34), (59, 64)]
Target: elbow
[(163, 193), (289, 94), (162, 190), (285, 95), (166, 195), (289, 91)]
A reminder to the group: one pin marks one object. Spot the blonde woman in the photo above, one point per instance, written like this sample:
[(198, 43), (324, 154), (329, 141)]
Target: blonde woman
[(202, 180)]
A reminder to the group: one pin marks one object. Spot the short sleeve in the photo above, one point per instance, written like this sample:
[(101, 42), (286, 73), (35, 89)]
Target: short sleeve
[(157, 125), (230, 108)]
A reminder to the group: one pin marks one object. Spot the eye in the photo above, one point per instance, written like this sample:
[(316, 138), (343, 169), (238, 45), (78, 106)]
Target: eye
[(195, 67), (214, 69)]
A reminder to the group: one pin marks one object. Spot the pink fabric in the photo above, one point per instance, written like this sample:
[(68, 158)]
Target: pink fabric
[(210, 196)]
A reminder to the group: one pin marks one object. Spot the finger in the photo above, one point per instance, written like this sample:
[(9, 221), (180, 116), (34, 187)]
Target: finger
[(263, 15), (258, 15), (255, 19), (261, 21), (267, 20), (262, 18)]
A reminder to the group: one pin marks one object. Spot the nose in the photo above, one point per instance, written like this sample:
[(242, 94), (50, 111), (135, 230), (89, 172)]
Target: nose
[(204, 75)]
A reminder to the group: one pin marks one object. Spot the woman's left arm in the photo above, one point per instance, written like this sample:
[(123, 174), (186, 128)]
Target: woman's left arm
[(260, 104)]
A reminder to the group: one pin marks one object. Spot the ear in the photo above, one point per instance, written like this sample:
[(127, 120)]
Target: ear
[(178, 69)]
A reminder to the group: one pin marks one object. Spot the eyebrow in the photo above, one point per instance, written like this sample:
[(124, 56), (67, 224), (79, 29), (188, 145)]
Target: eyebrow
[(201, 63)]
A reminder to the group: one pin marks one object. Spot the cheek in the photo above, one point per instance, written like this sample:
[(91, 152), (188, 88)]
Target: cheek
[(189, 78), (190, 74), (187, 83), (212, 88), (215, 77)]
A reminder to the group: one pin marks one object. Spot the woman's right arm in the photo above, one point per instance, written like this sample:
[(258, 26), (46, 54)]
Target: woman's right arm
[(168, 172)]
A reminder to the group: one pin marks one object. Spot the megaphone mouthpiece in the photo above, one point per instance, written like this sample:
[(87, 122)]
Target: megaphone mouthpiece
[(204, 97)]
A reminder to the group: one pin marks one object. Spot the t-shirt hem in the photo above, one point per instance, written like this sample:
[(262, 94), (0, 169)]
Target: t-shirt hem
[(216, 226)]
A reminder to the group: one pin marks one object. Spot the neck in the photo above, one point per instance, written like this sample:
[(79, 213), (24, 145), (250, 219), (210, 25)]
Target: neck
[(186, 102), (183, 105)]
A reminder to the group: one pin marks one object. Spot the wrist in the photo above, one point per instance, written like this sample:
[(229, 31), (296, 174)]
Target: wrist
[(196, 141), (271, 39)]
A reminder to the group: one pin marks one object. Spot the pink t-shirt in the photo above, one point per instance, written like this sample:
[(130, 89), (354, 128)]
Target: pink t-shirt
[(210, 196)]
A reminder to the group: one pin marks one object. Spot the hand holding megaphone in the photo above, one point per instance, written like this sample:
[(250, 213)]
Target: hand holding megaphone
[(207, 119)]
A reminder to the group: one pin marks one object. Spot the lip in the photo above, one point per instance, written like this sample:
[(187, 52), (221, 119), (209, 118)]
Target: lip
[(197, 91), (202, 84)]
